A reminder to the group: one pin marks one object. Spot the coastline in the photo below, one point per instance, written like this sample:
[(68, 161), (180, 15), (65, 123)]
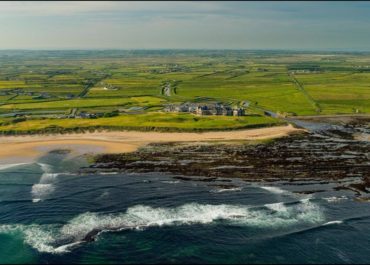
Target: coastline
[(30, 147)]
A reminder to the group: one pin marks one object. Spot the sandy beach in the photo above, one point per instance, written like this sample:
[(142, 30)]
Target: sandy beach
[(30, 147)]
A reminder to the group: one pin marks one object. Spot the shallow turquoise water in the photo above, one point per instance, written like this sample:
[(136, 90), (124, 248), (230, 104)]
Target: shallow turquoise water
[(50, 214)]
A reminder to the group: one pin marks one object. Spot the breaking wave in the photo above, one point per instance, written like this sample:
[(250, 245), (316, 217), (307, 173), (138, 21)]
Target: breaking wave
[(335, 199), (40, 191), (46, 184), (6, 166), (275, 190), (278, 207), (333, 222), (171, 181), (226, 189), (87, 226)]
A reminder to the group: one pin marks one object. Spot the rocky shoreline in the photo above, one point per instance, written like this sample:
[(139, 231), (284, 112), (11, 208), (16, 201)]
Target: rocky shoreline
[(295, 157), (332, 155)]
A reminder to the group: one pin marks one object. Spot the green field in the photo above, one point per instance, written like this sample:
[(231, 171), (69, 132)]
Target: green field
[(85, 103), (340, 92), (148, 121), (34, 85)]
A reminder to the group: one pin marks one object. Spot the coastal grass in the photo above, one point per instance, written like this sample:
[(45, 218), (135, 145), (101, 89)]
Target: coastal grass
[(148, 121)]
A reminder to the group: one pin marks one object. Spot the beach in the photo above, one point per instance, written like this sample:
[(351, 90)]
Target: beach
[(29, 147), (246, 196)]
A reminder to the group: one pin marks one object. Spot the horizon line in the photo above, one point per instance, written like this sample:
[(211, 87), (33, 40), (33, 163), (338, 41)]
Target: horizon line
[(188, 49)]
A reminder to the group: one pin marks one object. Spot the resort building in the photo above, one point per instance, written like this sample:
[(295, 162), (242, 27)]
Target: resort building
[(206, 109)]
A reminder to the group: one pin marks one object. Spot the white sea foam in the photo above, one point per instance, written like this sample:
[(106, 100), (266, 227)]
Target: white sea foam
[(103, 195), (278, 207), (335, 199), (334, 222), (66, 247), (273, 216), (306, 200), (45, 167), (171, 181), (46, 184), (6, 166), (275, 190), (38, 237), (40, 191), (48, 177), (226, 190)]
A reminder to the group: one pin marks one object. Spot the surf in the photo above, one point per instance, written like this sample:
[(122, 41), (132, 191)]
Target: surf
[(6, 166), (46, 185), (87, 226)]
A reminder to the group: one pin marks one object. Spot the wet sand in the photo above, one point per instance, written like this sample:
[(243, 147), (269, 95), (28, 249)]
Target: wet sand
[(32, 146)]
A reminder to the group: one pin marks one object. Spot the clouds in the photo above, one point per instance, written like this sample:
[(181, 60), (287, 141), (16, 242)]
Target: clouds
[(190, 24)]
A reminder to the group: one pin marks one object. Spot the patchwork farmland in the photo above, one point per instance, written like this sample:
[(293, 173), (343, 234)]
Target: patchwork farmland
[(44, 90)]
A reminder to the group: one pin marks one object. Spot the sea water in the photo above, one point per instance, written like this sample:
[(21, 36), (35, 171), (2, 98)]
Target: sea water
[(51, 213)]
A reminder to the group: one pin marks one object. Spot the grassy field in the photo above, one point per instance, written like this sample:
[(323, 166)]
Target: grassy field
[(289, 83), (339, 92), (148, 121), (85, 103)]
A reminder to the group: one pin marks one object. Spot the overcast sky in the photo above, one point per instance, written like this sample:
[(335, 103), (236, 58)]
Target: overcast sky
[(189, 25)]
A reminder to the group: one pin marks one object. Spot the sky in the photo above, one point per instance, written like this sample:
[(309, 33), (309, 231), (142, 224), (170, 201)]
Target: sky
[(185, 25)]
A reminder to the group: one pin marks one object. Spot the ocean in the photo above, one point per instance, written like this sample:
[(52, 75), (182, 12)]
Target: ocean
[(51, 212)]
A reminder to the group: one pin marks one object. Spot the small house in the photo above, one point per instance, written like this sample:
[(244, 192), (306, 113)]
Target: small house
[(239, 112), (204, 110)]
